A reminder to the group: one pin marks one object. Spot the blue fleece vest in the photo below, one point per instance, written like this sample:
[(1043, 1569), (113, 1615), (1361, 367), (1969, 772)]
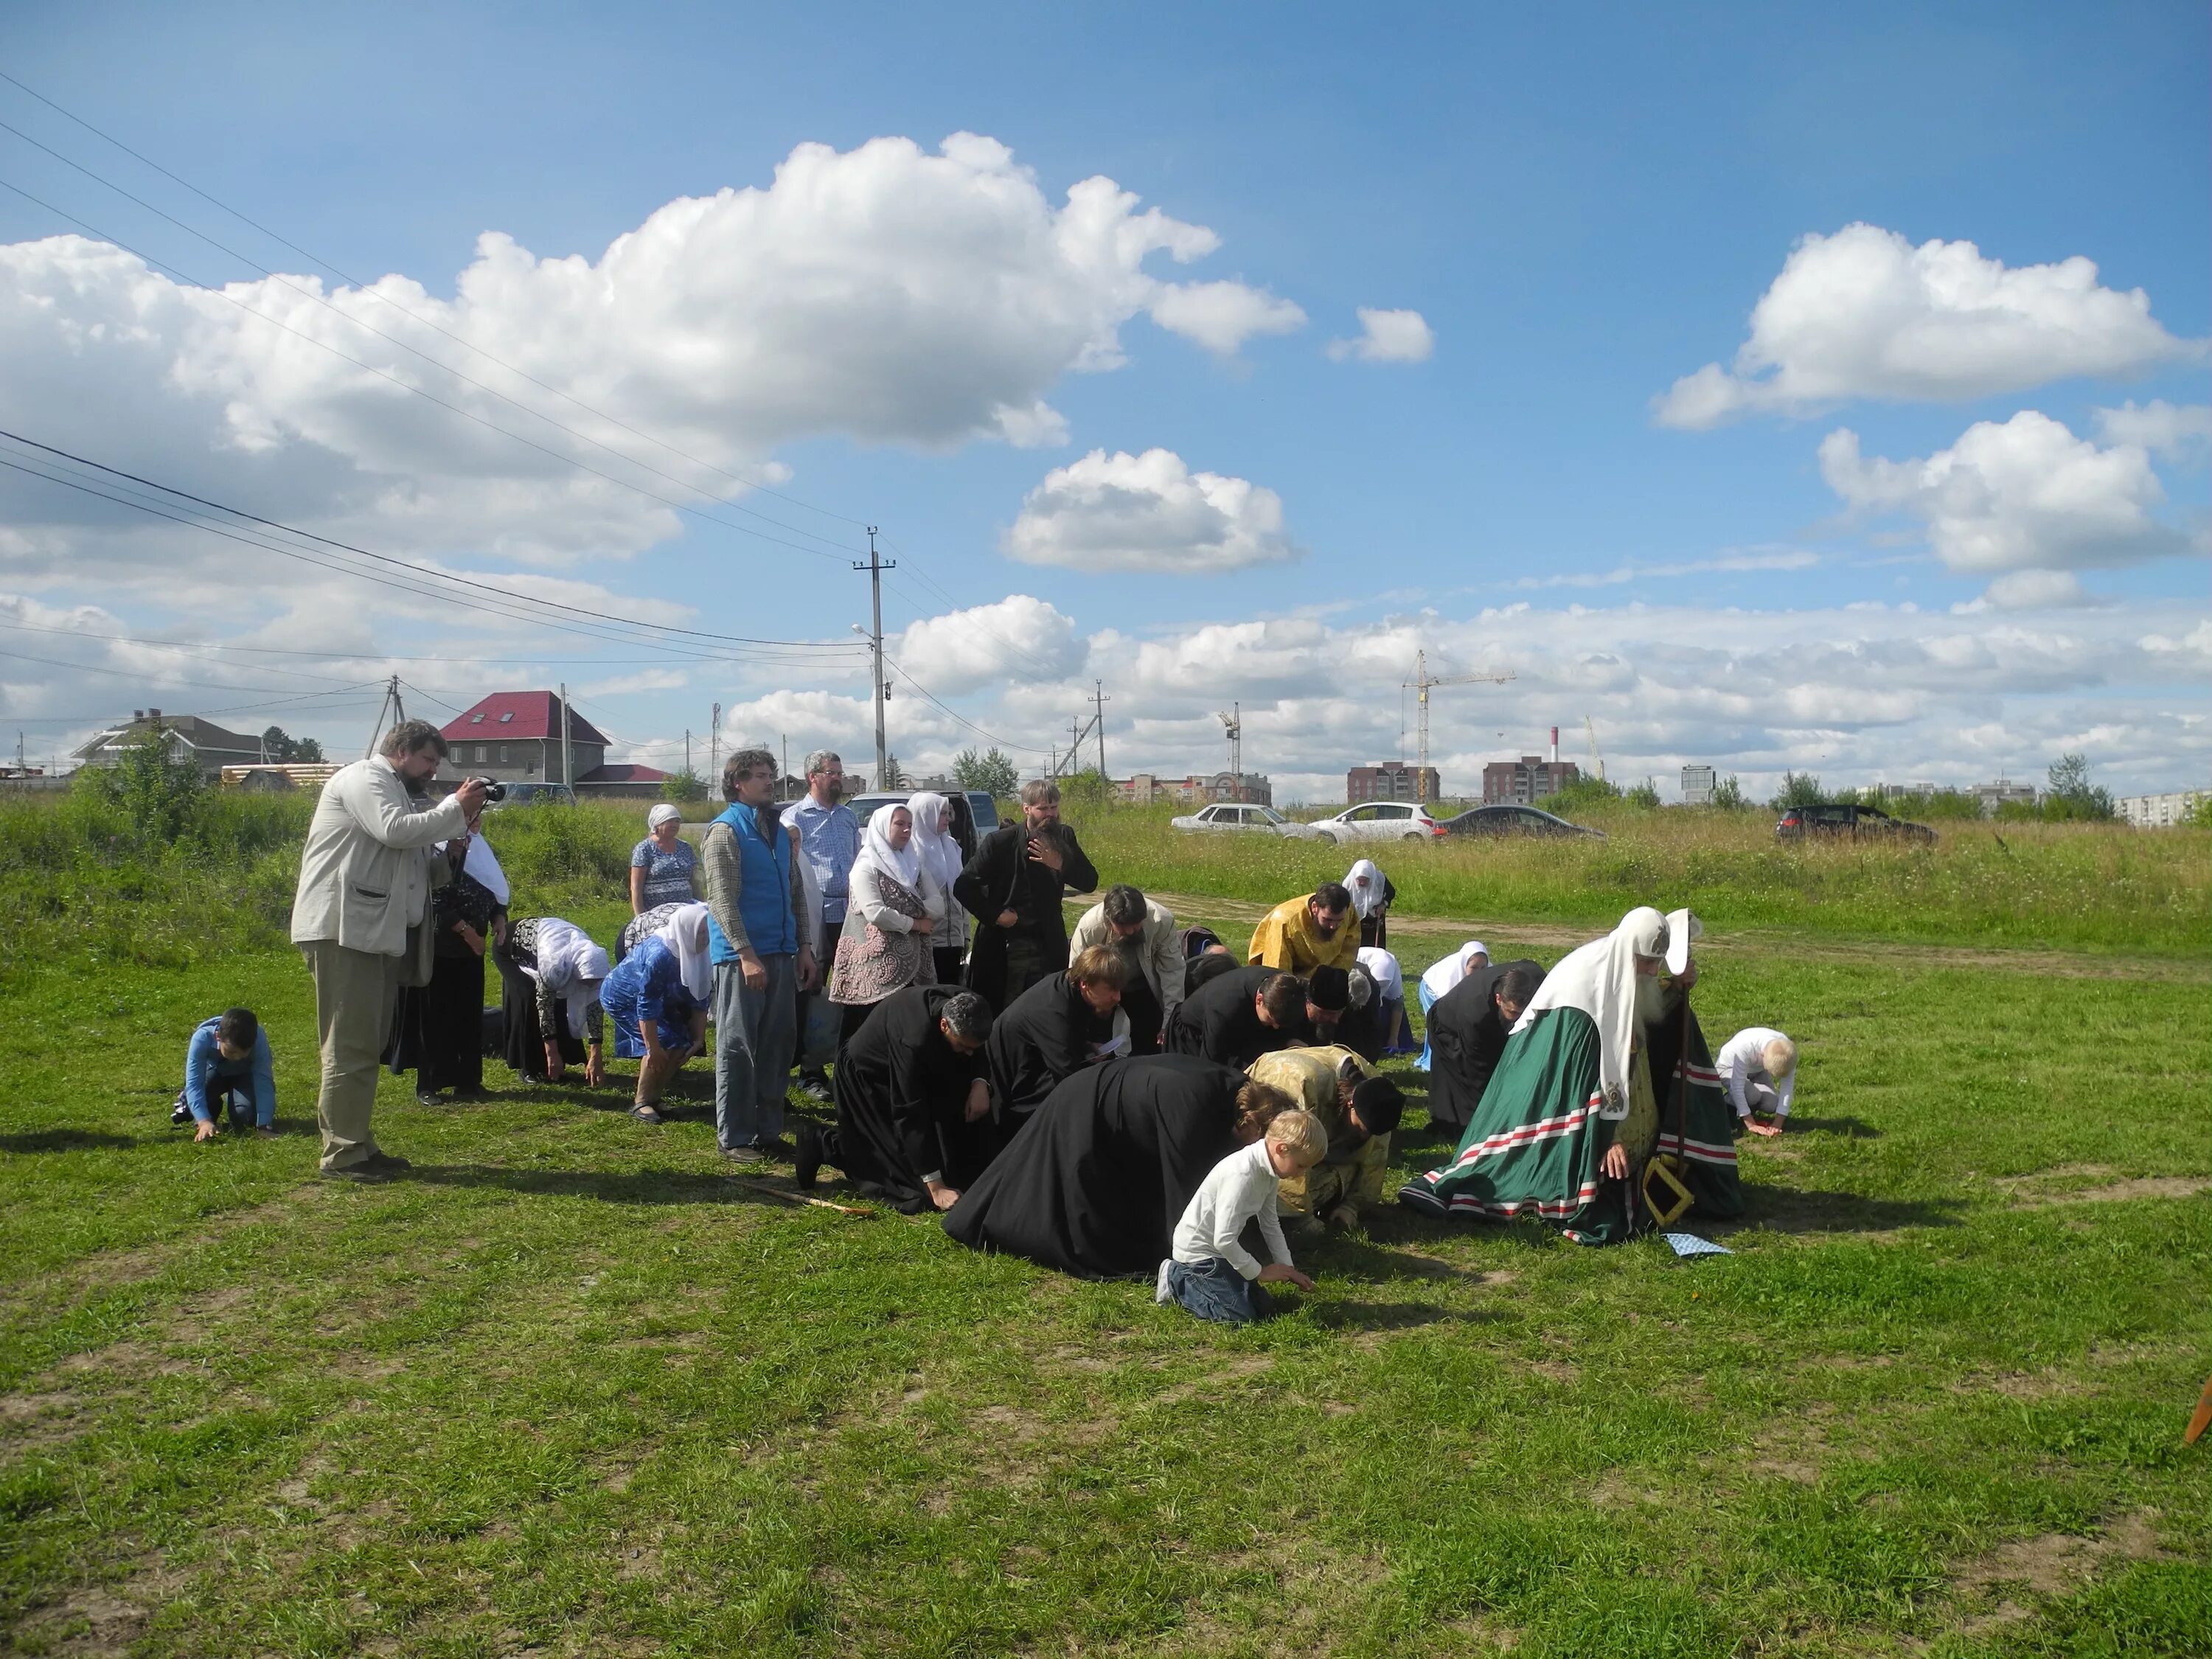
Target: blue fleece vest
[(763, 890)]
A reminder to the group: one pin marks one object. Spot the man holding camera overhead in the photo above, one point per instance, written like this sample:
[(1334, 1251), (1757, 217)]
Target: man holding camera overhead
[(359, 917)]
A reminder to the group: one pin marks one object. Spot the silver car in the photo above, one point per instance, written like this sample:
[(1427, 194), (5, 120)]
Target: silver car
[(1224, 815), (1381, 820)]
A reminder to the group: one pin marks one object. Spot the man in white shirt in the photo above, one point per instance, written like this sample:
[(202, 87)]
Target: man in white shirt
[(365, 879), (1208, 1270), (1759, 1069)]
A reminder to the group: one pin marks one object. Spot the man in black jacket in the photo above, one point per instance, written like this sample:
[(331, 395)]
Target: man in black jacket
[(912, 1097), (1468, 1028), (1244, 1014), (1012, 887)]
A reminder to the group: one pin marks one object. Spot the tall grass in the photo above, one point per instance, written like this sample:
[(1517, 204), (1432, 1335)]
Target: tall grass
[(91, 877), (2095, 887)]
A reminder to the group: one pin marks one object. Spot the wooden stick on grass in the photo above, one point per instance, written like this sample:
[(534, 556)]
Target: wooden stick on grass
[(802, 1198)]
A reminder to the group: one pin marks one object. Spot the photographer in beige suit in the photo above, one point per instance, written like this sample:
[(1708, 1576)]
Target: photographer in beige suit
[(359, 916)]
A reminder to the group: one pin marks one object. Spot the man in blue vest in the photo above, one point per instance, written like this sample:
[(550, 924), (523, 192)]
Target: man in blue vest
[(762, 956)]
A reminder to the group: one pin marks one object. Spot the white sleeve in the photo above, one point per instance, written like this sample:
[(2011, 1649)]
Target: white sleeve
[(868, 901), (379, 806), (1271, 1228), (1784, 1088)]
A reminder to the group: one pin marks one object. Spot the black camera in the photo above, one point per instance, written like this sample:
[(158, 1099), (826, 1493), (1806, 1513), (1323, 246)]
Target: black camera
[(493, 791)]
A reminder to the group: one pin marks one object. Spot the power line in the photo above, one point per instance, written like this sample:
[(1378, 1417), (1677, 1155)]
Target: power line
[(361, 287), (990, 737), (417, 571)]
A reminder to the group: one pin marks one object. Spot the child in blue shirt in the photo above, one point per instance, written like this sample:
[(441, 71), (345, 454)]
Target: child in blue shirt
[(227, 1064)]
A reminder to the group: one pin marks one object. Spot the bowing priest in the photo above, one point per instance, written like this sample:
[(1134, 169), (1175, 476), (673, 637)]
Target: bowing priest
[(912, 1099), (1143, 934), (1301, 934), (1241, 1015), (1605, 1071), (1093, 1186), (1467, 1030), (1053, 1030)]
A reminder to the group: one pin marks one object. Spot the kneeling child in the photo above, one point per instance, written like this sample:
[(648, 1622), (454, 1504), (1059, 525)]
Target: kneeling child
[(1210, 1273)]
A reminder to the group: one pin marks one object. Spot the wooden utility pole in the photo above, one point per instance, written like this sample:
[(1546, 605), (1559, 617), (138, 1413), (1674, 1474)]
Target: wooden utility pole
[(875, 567), (568, 774), (1099, 700)]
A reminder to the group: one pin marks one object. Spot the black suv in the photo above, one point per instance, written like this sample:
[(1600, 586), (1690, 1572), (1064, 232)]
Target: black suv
[(1846, 818)]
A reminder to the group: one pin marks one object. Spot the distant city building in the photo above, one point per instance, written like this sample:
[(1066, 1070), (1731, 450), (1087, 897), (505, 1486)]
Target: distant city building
[(2002, 793), (1525, 781), (1391, 781), (2161, 811), (516, 737), (185, 737), (1144, 788), (1697, 786), (1907, 791)]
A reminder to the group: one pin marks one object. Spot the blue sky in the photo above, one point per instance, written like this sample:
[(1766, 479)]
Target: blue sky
[(1584, 206)]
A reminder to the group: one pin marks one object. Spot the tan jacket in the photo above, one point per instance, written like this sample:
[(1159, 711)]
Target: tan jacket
[(364, 874), (1161, 957)]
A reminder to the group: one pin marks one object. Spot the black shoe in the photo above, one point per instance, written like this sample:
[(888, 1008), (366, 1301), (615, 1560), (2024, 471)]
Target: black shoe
[(180, 1114), (471, 1091), (427, 1098), (778, 1149), (806, 1162)]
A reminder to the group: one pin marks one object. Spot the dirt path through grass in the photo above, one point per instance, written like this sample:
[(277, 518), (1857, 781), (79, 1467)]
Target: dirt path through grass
[(2047, 964)]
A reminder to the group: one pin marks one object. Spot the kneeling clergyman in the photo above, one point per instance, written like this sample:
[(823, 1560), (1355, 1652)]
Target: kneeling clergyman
[(911, 1101), (1357, 1109), (1605, 1069)]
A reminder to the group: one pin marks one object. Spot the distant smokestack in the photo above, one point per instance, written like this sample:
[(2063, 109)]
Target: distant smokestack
[(1555, 745)]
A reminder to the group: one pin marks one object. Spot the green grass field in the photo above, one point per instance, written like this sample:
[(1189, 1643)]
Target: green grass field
[(573, 1390)]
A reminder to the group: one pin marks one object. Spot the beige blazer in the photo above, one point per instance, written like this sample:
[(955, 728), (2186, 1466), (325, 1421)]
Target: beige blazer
[(364, 874), (1161, 959)]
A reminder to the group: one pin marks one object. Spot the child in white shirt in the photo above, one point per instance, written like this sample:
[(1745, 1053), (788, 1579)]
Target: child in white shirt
[(1209, 1272), (1758, 1069)]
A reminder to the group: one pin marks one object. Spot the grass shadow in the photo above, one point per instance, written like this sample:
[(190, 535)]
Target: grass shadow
[(1787, 1210), (636, 1187), (1851, 1129), (65, 1140), (1394, 1316)]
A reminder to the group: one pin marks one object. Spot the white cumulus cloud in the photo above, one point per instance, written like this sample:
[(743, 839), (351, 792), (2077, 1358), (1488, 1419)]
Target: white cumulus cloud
[(887, 294), (1148, 512), (1019, 639), (1387, 337), (2173, 431), (2026, 495), (1863, 313)]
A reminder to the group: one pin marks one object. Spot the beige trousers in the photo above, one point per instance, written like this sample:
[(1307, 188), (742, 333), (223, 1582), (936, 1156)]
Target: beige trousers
[(355, 993)]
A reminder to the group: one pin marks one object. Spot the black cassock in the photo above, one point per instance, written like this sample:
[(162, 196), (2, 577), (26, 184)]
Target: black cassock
[(902, 1093), (1096, 1181), (1045, 1036), (1465, 1036), (1219, 1023), (1002, 877)]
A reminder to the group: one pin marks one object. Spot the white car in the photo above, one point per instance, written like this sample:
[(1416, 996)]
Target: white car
[(1224, 816), (1380, 820)]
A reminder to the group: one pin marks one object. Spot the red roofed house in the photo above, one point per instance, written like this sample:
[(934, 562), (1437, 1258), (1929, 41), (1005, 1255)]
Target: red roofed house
[(516, 737), (622, 782)]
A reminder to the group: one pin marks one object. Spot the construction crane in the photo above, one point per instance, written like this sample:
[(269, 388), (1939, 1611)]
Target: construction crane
[(1232, 726), (1597, 761), (1419, 684)]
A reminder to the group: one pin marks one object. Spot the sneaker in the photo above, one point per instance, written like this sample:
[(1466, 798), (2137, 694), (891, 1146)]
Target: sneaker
[(180, 1114), (1160, 1291), (425, 1097), (744, 1154), (815, 1087), (806, 1162)]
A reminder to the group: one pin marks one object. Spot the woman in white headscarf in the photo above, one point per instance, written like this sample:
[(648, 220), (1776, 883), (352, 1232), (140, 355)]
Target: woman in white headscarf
[(658, 997), (892, 898), (1443, 974), (939, 849), (553, 972), (1372, 896)]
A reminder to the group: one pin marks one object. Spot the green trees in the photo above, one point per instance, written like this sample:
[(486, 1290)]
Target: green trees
[(1798, 789), (283, 748), (992, 771), (2069, 794)]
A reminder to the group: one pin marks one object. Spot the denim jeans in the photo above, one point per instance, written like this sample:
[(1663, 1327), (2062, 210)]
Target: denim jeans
[(754, 1035), (1213, 1289)]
